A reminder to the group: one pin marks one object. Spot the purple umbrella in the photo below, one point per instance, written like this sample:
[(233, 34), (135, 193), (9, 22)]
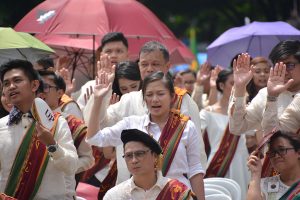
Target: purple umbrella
[(256, 38)]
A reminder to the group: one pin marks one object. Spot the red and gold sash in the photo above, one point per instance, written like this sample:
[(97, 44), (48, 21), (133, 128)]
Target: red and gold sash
[(64, 100), (109, 181), (178, 97), (175, 190), (78, 129), (267, 169), (29, 166), (170, 137), (293, 192), (220, 163), (100, 163)]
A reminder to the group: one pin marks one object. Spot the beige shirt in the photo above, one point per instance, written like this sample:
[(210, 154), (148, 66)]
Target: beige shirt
[(289, 119), (73, 109), (244, 118), (133, 104), (129, 191), (62, 162)]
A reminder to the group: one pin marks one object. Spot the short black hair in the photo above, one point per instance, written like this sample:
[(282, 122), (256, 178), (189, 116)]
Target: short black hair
[(23, 65), (154, 46), (285, 49), (57, 79), (128, 70), (46, 62), (188, 71), (222, 78), (113, 37)]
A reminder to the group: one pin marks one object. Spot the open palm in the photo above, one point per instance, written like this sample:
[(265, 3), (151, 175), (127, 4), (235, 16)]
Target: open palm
[(276, 84), (242, 73), (102, 85)]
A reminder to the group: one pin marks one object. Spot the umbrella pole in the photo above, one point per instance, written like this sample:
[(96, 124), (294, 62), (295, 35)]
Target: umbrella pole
[(94, 58), (74, 65)]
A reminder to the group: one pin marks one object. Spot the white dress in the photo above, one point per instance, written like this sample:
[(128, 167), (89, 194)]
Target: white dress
[(215, 124)]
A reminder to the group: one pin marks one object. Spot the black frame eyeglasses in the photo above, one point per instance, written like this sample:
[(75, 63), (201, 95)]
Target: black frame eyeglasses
[(47, 87), (290, 66), (281, 152)]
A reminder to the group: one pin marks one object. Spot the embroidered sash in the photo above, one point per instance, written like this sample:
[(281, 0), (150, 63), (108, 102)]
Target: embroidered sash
[(267, 169), (64, 100), (29, 166), (178, 97), (100, 163), (293, 192), (78, 129), (175, 190), (220, 163), (109, 181), (170, 137)]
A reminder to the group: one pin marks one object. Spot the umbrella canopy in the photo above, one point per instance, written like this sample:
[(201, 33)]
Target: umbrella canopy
[(256, 38), (98, 17), (17, 45)]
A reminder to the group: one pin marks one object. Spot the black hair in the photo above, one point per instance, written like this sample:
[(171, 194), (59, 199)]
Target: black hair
[(46, 62), (156, 76), (128, 70), (293, 138), (188, 71), (222, 78), (57, 79), (23, 65), (154, 46), (285, 49), (113, 37)]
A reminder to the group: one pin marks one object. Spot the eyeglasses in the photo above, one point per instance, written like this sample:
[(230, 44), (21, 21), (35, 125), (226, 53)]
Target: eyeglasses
[(137, 154), (47, 87), (290, 66), (281, 152)]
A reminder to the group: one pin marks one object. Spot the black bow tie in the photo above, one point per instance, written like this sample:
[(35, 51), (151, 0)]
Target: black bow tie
[(15, 116)]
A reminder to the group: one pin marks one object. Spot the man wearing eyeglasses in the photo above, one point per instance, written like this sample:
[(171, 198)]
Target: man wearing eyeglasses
[(283, 84), (142, 156)]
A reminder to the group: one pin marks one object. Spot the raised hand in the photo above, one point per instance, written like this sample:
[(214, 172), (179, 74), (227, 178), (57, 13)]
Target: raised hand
[(214, 75), (276, 84), (102, 86), (203, 74), (104, 65), (114, 99), (89, 91), (242, 70), (70, 84), (254, 165)]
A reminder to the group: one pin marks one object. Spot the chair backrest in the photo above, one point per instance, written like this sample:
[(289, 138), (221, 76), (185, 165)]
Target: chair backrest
[(210, 191), (224, 190), (232, 186), (217, 197)]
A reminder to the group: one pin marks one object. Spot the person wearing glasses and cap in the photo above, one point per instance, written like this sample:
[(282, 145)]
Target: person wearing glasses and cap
[(142, 155), (284, 154)]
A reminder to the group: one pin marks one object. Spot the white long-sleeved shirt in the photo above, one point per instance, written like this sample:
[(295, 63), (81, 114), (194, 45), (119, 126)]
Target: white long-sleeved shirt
[(62, 162), (133, 104), (186, 159)]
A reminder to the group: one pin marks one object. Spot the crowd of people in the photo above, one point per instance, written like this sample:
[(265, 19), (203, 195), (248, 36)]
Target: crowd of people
[(139, 132)]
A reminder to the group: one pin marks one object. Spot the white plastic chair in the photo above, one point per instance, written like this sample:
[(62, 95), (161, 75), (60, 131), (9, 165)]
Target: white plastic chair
[(232, 186), (219, 188), (217, 197), (210, 191)]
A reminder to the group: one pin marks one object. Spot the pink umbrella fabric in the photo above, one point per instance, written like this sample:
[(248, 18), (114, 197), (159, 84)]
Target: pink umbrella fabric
[(256, 38), (98, 17)]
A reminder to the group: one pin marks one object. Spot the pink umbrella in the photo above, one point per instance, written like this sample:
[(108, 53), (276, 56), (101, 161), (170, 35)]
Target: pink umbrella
[(98, 17)]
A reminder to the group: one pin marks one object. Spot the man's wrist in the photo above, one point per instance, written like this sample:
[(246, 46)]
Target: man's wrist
[(271, 98)]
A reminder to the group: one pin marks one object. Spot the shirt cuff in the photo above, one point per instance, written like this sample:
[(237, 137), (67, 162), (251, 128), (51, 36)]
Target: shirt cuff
[(195, 169), (271, 106)]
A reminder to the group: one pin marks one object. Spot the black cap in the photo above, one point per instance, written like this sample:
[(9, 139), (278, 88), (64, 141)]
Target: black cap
[(129, 135)]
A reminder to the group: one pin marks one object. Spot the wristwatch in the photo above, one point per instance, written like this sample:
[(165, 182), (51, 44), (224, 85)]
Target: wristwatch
[(52, 148)]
